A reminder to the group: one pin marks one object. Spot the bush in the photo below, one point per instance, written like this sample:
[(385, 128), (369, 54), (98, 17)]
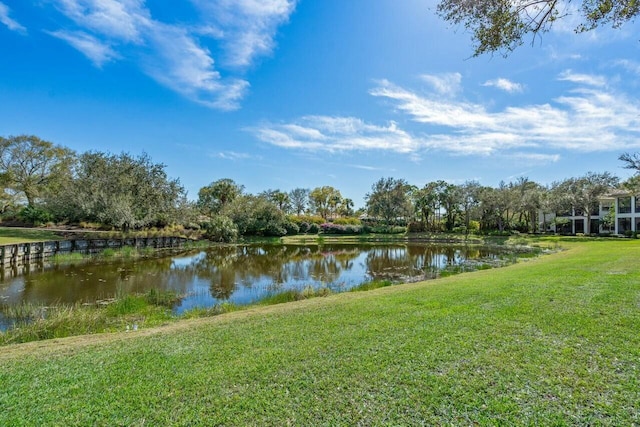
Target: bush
[(303, 227), (416, 227), (291, 228), (310, 219), (220, 229), (313, 228), (273, 229), (35, 216), (330, 228), (347, 221)]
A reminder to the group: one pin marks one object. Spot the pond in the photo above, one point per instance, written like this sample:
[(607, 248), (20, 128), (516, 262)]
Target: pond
[(242, 274)]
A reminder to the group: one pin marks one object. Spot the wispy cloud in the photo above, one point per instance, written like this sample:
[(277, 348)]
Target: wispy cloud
[(445, 84), (536, 157), (233, 155), (174, 54), (246, 28), (585, 79), (11, 23), (504, 84), (337, 134), (587, 118), (89, 46), (632, 66)]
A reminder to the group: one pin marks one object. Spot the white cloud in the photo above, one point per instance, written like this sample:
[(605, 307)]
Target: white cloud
[(536, 157), (11, 24), (232, 155), (118, 19), (504, 84), (337, 134), (173, 54), (246, 28), (629, 65), (178, 62), (586, 119), (91, 47), (585, 79), (445, 84)]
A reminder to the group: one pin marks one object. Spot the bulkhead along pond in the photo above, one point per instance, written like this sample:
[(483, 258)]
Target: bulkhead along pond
[(244, 274)]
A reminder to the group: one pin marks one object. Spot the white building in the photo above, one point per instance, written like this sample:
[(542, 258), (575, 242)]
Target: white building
[(626, 216)]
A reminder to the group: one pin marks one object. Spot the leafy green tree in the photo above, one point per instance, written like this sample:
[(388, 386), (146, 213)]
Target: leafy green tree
[(528, 199), (31, 166), (346, 207), (215, 196), (256, 216), (586, 191), (322, 199), (469, 198), (501, 25), (121, 191), (279, 198), (389, 200), (220, 229), (450, 199), (299, 198)]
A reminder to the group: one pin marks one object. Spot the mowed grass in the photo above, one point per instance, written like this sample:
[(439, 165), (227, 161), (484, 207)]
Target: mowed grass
[(12, 235), (550, 341)]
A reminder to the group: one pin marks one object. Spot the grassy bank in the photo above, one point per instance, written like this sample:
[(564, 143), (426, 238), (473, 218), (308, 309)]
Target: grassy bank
[(553, 340), (11, 235)]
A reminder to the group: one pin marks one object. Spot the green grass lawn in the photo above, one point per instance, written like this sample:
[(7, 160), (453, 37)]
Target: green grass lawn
[(549, 341), (13, 235)]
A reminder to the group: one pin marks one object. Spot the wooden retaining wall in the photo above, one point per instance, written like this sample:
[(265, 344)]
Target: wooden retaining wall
[(29, 253)]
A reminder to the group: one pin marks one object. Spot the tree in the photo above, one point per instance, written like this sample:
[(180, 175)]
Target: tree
[(256, 216), (215, 196), (30, 165), (322, 199), (299, 198), (346, 207), (120, 190), (279, 198), (631, 161), (389, 200), (501, 25), (449, 198), (470, 194), (586, 191)]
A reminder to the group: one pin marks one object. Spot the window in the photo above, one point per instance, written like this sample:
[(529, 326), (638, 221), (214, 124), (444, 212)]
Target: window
[(579, 225), (624, 224), (624, 205), (637, 204)]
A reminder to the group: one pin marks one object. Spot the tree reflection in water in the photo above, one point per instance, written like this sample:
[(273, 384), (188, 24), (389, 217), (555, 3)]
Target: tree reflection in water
[(238, 273)]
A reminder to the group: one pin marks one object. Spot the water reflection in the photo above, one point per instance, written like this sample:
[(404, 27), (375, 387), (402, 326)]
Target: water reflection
[(239, 274)]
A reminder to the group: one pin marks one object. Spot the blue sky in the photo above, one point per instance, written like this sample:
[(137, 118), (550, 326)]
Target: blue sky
[(279, 94)]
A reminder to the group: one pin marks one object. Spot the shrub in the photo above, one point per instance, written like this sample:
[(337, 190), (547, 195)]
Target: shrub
[(347, 221), (273, 229), (416, 227), (304, 227), (291, 228), (310, 219), (220, 229), (313, 228), (34, 215), (330, 228)]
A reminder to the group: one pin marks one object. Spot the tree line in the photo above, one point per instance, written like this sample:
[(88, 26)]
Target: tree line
[(43, 182)]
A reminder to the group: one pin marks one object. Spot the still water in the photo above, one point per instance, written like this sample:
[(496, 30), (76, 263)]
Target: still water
[(241, 274)]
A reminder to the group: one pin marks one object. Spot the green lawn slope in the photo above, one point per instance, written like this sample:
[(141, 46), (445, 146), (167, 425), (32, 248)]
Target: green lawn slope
[(549, 341), (13, 235)]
